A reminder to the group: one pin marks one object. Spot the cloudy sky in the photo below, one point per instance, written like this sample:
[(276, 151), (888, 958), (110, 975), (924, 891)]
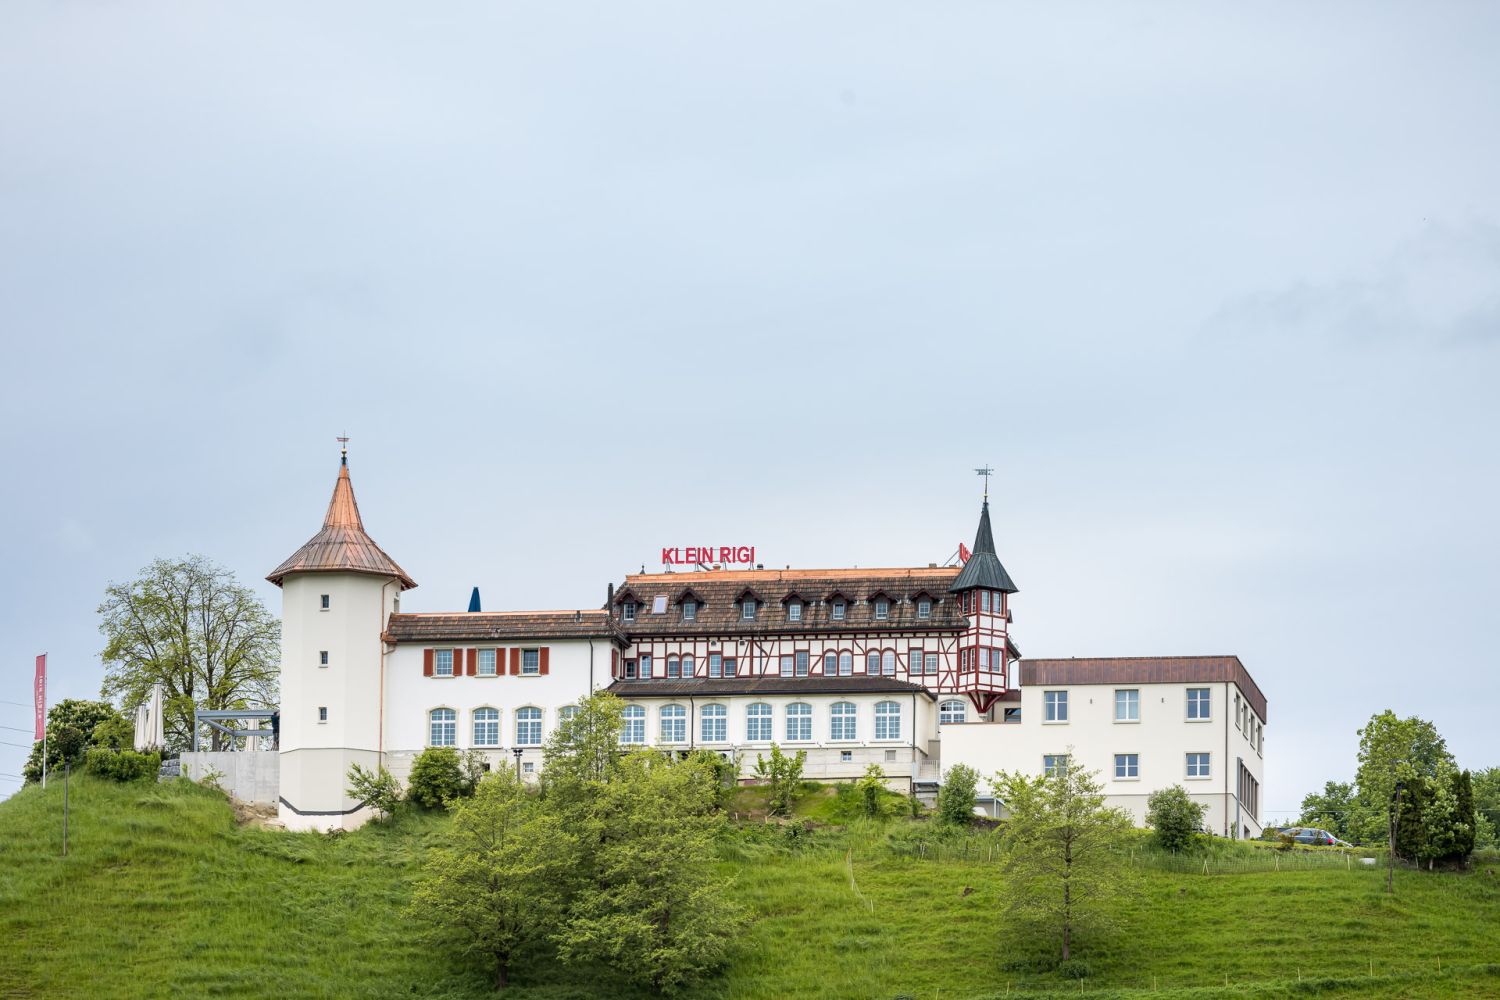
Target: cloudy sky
[(1215, 290)]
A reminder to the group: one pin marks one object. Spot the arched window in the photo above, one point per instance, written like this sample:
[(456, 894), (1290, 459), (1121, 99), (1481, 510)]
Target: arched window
[(872, 662), (633, 724), (567, 712), (714, 724), (846, 664), (486, 727), (952, 712), (888, 663), (798, 721), (687, 664), (528, 727), (842, 721), (887, 720), (758, 722), (442, 730), (673, 724), (830, 664), (674, 667)]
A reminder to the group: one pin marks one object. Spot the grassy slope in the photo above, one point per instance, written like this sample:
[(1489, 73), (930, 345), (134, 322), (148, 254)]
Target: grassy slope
[(163, 895)]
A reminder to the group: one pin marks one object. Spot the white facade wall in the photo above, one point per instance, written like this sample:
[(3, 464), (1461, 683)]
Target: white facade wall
[(1161, 739)]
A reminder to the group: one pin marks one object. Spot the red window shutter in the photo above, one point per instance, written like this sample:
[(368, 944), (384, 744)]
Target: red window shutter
[(541, 658), (614, 663), (426, 663), (515, 662), (473, 662)]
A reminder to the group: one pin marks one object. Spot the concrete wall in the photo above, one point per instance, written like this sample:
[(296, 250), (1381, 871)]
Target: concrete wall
[(250, 776)]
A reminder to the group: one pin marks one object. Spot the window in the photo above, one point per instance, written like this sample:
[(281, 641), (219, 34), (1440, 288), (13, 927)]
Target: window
[(630, 669), (890, 756), (486, 727), (846, 664), (673, 724), (442, 730), (689, 665), (758, 722), (1127, 765), (528, 767), (627, 611), (714, 724), (531, 662), (842, 721), (984, 658), (838, 611), (1055, 706), (798, 721), (747, 609), (633, 724), (952, 712), (322, 714), (442, 662), (690, 611), (924, 608), (715, 665), (1054, 764), (729, 666), (888, 663), (872, 662), (787, 666), (1128, 705), (323, 602), (1198, 704), (882, 609), (487, 663), (887, 720), (830, 664), (659, 604), (529, 727), (567, 713), (645, 666), (794, 611), (914, 661), (1197, 765), (984, 601), (968, 601), (931, 661), (322, 657), (674, 667), (801, 663), (846, 756)]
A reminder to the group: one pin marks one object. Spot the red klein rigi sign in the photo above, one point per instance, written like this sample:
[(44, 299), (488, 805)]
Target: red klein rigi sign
[(695, 555), (40, 696)]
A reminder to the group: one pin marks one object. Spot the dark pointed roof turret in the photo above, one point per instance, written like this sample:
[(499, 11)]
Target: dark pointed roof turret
[(983, 568)]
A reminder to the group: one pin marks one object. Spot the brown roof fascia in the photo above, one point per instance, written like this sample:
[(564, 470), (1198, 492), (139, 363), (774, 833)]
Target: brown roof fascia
[(1146, 670)]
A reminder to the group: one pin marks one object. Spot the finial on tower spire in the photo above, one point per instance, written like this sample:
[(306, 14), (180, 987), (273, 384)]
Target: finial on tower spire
[(986, 472), (343, 450)]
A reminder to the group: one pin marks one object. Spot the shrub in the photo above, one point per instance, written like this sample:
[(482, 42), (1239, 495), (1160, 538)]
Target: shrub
[(436, 778), (377, 789), (1073, 969), (955, 805), (717, 770), (122, 765), (871, 791), (1174, 816), (784, 775)]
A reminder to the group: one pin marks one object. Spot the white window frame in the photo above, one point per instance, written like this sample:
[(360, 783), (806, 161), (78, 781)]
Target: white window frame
[(324, 602), (947, 717), (672, 724), (872, 663), (924, 608), (716, 664), (627, 611), (760, 725), (644, 671), (1191, 704), (787, 665), (531, 662), (1128, 762), (1131, 703), (322, 657), (882, 609), (800, 713), (713, 724), (450, 724), (477, 720), (1052, 702), (839, 610), (689, 610), (843, 721), (888, 713), (322, 714), (674, 666), (930, 663), (567, 712), (803, 663), (888, 663), (1052, 761), (794, 611), (846, 663), (525, 736), (633, 725), (494, 668), (437, 663), (689, 665), (1189, 764), (747, 609)]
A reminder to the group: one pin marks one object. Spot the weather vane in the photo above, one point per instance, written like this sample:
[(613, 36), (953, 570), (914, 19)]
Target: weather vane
[(343, 449), (986, 472)]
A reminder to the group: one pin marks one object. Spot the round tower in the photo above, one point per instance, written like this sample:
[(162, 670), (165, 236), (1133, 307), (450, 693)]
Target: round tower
[(337, 592), (983, 589)]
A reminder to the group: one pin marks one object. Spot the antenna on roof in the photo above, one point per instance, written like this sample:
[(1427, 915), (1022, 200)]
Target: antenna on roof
[(343, 449), (986, 472)]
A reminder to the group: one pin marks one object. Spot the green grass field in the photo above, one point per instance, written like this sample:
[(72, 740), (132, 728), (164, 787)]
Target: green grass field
[(163, 895)]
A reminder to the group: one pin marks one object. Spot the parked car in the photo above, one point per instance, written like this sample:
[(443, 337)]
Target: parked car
[(1312, 835)]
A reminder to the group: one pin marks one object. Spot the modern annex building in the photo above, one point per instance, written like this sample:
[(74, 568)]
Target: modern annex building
[(910, 668)]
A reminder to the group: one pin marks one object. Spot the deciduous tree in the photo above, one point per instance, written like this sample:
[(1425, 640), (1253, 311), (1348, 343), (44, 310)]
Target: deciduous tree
[(782, 774), (956, 797), (1175, 817), (97, 721)]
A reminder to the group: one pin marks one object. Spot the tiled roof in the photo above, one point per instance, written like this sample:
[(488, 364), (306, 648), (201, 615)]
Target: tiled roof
[(708, 686), (342, 545), (1146, 670), (984, 568), (719, 592), (482, 626)]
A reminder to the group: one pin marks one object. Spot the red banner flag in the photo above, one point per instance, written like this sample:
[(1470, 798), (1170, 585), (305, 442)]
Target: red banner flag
[(963, 552), (41, 696)]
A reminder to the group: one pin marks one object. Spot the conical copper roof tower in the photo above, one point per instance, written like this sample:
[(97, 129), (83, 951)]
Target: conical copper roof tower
[(342, 546)]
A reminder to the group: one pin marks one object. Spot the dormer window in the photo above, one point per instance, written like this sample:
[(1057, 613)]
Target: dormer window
[(747, 609), (627, 611), (882, 609), (924, 607), (794, 611), (689, 610), (839, 608)]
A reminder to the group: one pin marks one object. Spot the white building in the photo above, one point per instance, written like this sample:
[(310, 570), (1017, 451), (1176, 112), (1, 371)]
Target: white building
[(913, 669)]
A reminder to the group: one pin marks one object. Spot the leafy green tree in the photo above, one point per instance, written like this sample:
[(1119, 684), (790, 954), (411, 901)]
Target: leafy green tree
[(956, 797), (116, 733), (783, 777), (190, 626), (1061, 862), (1437, 818), (436, 778), (654, 908), (1392, 749), (496, 883), (377, 789), (1486, 786), (871, 786), (1175, 817), (583, 752), (71, 713)]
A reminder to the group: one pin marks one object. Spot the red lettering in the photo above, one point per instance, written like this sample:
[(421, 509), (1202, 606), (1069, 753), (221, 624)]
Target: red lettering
[(666, 557), (724, 553)]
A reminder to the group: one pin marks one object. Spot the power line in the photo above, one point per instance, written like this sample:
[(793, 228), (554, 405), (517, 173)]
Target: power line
[(16, 776), (19, 704), (23, 746), (18, 729)]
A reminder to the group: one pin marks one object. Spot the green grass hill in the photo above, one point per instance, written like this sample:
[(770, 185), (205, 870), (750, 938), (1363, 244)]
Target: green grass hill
[(163, 894)]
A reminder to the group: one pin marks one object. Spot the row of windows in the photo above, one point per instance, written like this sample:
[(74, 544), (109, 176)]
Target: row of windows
[(838, 610), (797, 723), (835, 663), (1128, 765), (1128, 705), (442, 726), (445, 662)]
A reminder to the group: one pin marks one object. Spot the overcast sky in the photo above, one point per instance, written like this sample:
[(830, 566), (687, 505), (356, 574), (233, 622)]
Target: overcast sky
[(1215, 289)]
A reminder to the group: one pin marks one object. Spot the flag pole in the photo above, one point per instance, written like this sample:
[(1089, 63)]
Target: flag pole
[(40, 698)]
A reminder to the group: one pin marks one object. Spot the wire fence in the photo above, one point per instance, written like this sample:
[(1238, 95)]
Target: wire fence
[(1239, 861)]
